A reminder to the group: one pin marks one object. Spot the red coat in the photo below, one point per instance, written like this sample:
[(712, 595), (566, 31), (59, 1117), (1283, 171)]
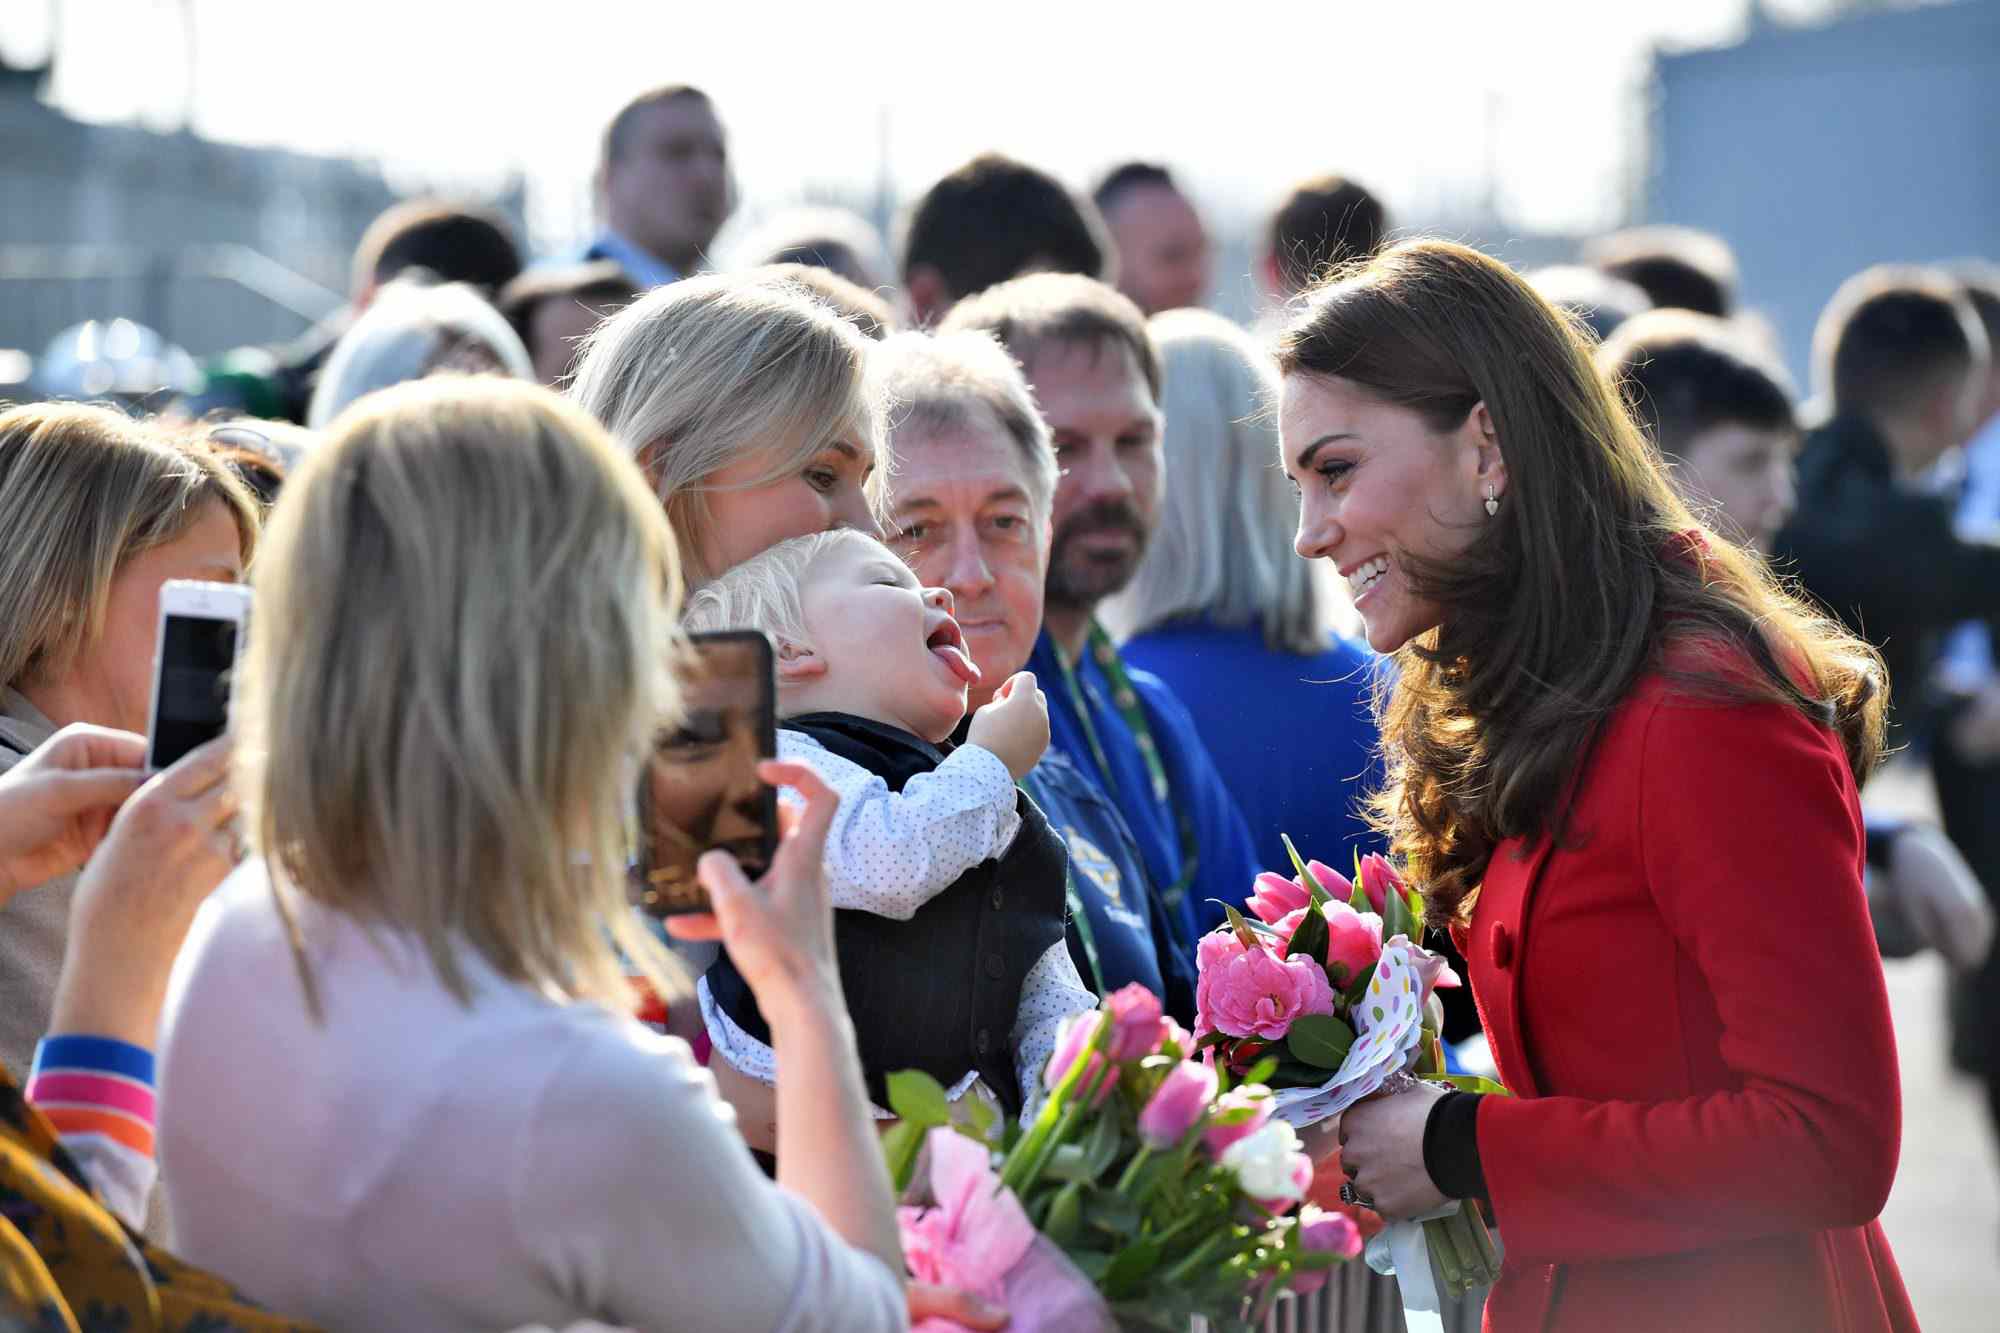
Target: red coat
[(1687, 1000)]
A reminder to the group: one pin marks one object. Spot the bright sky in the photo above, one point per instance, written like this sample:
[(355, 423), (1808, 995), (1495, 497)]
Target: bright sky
[(1424, 102)]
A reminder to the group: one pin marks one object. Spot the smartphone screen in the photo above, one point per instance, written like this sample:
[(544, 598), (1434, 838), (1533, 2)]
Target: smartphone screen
[(700, 789), (192, 693)]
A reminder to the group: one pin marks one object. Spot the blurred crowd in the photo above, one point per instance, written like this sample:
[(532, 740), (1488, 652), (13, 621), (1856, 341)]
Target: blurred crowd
[(286, 1008)]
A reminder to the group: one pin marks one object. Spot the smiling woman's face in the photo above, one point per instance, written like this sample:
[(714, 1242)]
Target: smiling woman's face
[(1376, 483), (747, 517)]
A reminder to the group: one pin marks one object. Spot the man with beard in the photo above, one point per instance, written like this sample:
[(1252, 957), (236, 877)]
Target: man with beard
[(662, 184), (1096, 377)]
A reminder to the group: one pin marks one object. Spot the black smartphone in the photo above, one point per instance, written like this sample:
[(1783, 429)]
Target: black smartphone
[(699, 789), (201, 626)]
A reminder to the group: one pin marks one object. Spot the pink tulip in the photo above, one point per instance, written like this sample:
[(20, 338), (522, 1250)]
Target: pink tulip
[(1252, 992), (1138, 1025), (1331, 882), (1354, 942), (1177, 1105), (1071, 1039), (1324, 1233), (1256, 1099), (1378, 880), (1275, 896), (1431, 972)]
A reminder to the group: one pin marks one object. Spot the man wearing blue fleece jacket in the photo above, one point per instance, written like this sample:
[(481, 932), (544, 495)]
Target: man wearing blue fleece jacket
[(1096, 376)]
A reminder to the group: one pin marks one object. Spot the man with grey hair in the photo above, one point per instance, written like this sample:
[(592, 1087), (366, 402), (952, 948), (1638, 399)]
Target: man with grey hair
[(971, 484), (1085, 351), (663, 185)]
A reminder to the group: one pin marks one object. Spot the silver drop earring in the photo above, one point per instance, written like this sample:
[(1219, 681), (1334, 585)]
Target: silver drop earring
[(1492, 501)]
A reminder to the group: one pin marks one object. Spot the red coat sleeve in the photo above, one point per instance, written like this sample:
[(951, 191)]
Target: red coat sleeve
[(1750, 840)]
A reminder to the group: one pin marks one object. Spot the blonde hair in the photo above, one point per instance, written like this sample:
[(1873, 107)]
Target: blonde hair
[(1223, 548), (82, 491), (940, 381), (767, 591), (409, 331), (461, 651), (703, 372)]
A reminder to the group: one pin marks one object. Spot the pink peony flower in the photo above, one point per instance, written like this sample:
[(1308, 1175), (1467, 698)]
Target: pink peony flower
[(1071, 1039), (1254, 1097), (1275, 896), (1379, 879), (1325, 1233), (1177, 1105), (1252, 992), (1137, 1023)]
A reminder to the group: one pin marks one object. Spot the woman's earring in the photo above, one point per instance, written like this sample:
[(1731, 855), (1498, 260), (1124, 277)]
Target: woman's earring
[(1492, 500)]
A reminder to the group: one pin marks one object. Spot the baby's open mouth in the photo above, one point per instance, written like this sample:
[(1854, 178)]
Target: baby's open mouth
[(947, 644)]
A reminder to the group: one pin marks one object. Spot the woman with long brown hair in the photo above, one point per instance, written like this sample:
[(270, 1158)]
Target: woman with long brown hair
[(1622, 764)]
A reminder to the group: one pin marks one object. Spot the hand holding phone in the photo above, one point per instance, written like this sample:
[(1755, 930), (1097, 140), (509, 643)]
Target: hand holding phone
[(700, 790), (194, 661)]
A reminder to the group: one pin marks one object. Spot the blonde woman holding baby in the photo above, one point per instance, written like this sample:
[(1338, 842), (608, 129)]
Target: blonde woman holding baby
[(402, 1087)]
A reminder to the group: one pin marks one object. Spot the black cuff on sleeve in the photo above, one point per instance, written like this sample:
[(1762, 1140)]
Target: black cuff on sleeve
[(1451, 1146)]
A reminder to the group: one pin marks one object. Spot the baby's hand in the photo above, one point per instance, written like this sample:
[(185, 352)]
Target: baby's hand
[(1015, 726)]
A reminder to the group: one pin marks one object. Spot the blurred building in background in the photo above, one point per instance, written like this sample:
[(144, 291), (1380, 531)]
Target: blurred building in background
[(214, 245), (1818, 151)]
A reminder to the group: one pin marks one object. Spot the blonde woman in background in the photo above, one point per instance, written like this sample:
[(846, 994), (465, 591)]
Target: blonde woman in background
[(98, 511), (413, 329), (403, 1089), (1226, 614), (745, 400)]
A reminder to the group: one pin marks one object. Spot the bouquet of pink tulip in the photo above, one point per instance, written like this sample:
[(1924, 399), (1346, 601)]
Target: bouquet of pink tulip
[(1164, 1189), (1326, 977)]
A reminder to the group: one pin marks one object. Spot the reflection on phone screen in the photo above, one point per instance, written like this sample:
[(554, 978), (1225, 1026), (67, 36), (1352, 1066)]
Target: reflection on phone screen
[(701, 789), (196, 653)]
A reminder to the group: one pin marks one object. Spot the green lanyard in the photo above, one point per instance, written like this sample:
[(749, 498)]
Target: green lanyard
[(1126, 700), (1077, 912)]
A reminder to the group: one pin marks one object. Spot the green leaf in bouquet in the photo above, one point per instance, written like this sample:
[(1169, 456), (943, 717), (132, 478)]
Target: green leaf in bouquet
[(1090, 1263), (1249, 923), (917, 1098), (1113, 1214), (1130, 1267), (1358, 992), (1320, 1040), (900, 1147), (1260, 1071), (1068, 1162), (1396, 918), (1242, 927), (1065, 1218), (1211, 1039), (1314, 890), (1415, 902), (1311, 938), (1101, 1149), (1358, 897), (975, 1117), (1470, 1083)]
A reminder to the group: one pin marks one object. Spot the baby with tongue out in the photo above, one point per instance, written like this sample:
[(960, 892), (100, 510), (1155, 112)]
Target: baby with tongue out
[(949, 886)]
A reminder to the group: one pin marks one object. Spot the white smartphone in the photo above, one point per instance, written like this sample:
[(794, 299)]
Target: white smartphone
[(194, 662)]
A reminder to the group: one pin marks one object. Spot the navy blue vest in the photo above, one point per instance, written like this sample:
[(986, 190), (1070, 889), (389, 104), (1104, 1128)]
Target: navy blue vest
[(937, 992)]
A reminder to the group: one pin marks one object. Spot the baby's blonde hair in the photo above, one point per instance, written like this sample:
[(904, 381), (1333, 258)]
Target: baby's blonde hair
[(767, 591), (464, 620)]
